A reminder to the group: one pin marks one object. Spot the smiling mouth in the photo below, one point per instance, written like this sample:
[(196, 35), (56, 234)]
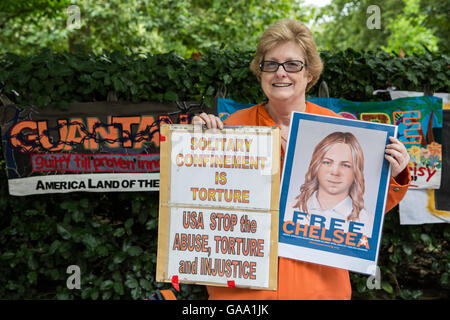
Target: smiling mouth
[(282, 85), (334, 182)]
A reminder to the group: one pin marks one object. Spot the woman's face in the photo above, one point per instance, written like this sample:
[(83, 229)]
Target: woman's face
[(336, 174), (282, 86)]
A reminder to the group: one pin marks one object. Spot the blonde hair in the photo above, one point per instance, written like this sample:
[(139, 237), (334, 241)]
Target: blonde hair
[(356, 191), (285, 30)]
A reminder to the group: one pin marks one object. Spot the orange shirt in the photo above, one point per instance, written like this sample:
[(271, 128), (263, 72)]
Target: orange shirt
[(300, 280)]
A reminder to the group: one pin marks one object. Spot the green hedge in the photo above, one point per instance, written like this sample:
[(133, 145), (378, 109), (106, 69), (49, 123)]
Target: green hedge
[(113, 236), (56, 79)]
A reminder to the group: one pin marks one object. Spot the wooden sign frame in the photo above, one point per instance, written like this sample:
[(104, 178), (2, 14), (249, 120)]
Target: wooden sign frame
[(167, 205)]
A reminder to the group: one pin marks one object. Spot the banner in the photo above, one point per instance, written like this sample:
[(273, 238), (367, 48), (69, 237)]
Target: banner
[(333, 191), (419, 121), (226, 107), (442, 195), (95, 147), (219, 199), (432, 205)]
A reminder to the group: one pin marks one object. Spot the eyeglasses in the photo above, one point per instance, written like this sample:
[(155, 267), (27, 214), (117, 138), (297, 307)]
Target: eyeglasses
[(288, 66)]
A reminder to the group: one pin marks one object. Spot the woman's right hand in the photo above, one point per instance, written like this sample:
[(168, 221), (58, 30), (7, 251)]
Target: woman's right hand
[(211, 121)]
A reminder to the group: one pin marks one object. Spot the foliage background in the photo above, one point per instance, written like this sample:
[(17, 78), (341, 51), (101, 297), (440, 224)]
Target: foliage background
[(187, 26), (113, 236)]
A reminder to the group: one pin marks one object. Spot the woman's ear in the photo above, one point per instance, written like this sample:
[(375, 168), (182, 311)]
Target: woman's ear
[(309, 77)]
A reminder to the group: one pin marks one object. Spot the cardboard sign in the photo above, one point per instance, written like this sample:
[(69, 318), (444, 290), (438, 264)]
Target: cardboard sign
[(93, 147), (333, 192), (219, 200)]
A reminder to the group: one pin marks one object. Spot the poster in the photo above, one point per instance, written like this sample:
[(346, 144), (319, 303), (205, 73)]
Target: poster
[(419, 121), (333, 191), (94, 147), (219, 200)]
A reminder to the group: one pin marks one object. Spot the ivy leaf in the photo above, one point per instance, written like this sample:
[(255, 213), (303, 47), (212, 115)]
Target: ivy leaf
[(106, 285), (145, 284), (136, 293), (210, 91), (387, 287), (129, 223), (444, 279), (78, 216), (35, 85), (171, 96), (425, 238), (86, 293), (43, 101), (32, 263), (8, 255), (98, 74), (54, 274), (102, 251), (32, 277), (118, 86), (84, 203), (90, 241), (131, 283), (227, 79), (63, 232), (94, 293), (134, 251), (118, 288), (42, 73), (119, 257), (151, 224), (119, 232), (106, 295)]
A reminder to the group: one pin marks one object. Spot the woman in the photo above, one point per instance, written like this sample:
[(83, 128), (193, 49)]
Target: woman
[(334, 183), (287, 65)]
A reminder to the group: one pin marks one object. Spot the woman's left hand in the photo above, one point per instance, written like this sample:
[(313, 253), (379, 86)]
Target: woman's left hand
[(397, 155)]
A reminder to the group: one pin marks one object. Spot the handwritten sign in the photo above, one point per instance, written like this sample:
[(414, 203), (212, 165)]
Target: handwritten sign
[(219, 206)]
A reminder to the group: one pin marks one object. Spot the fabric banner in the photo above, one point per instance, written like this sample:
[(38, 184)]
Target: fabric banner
[(442, 195), (419, 121), (429, 206), (95, 147), (417, 207), (396, 94), (333, 191), (226, 107)]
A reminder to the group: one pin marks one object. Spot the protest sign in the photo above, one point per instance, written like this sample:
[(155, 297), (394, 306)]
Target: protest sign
[(219, 199), (95, 147), (333, 191)]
